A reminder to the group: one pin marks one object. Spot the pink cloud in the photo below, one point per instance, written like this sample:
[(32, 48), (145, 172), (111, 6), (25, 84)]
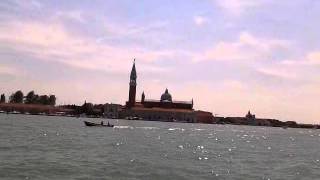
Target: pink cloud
[(52, 42), (246, 48)]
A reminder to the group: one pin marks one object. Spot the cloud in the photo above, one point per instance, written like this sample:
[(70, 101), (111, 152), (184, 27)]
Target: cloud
[(53, 42), (238, 7), (310, 59), (280, 72), (313, 58), (200, 20), (247, 47), (8, 70)]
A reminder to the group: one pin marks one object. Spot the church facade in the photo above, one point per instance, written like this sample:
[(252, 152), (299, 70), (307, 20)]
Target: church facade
[(164, 109)]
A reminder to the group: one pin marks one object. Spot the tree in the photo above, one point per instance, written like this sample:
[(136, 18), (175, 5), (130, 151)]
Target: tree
[(3, 98), (30, 98), (44, 99), (17, 97), (52, 100), (36, 99)]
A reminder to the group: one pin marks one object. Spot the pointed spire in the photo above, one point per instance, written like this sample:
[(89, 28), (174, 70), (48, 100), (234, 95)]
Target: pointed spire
[(166, 91), (133, 75)]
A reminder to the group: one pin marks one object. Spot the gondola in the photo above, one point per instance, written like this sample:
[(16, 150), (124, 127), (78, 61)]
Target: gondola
[(87, 123)]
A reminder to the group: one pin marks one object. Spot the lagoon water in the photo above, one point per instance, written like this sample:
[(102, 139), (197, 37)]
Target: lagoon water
[(41, 147)]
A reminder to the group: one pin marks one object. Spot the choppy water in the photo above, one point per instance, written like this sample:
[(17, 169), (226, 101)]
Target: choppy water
[(40, 147)]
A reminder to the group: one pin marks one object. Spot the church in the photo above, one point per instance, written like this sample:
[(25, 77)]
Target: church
[(164, 109)]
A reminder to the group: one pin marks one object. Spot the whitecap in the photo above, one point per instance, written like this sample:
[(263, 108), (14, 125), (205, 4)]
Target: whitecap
[(165, 155), (149, 128), (173, 129), (123, 127), (197, 129)]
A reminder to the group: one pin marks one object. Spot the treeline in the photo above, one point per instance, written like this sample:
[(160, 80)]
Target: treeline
[(87, 109), (30, 98)]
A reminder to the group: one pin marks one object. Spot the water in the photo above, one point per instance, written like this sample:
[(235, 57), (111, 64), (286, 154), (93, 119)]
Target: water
[(40, 147)]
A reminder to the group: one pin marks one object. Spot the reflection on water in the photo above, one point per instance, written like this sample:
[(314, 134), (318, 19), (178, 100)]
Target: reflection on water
[(40, 147)]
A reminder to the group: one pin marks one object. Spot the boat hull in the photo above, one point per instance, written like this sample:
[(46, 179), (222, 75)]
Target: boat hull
[(91, 124)]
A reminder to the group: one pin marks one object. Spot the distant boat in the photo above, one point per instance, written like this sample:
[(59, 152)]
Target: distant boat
[(87, 123)]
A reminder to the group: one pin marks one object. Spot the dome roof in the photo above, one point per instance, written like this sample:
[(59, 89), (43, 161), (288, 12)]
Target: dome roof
[(166, 96)]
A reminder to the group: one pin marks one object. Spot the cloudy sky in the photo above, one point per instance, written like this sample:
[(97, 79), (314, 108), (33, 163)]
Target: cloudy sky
[(229, 55)]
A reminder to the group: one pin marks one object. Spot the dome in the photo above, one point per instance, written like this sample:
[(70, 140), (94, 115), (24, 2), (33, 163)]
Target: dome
[(166, 96)]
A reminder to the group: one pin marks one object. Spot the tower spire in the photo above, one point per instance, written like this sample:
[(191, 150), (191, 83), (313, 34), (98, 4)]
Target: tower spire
[(133, 75), (133, 85)]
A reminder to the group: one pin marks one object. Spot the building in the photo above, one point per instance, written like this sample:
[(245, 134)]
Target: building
[(164, 109), (251, 118), (111, 110)]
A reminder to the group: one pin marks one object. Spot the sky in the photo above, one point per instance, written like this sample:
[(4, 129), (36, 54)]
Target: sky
[(230, 56)]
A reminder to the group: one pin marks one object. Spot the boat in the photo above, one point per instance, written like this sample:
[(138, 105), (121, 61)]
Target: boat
[(133, 118), (87, 123)]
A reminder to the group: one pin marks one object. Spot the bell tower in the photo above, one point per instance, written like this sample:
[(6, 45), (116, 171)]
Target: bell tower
[(132, 86), (143, 96)]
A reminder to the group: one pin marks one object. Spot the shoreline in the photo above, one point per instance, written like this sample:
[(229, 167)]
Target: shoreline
[(298, 126)]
